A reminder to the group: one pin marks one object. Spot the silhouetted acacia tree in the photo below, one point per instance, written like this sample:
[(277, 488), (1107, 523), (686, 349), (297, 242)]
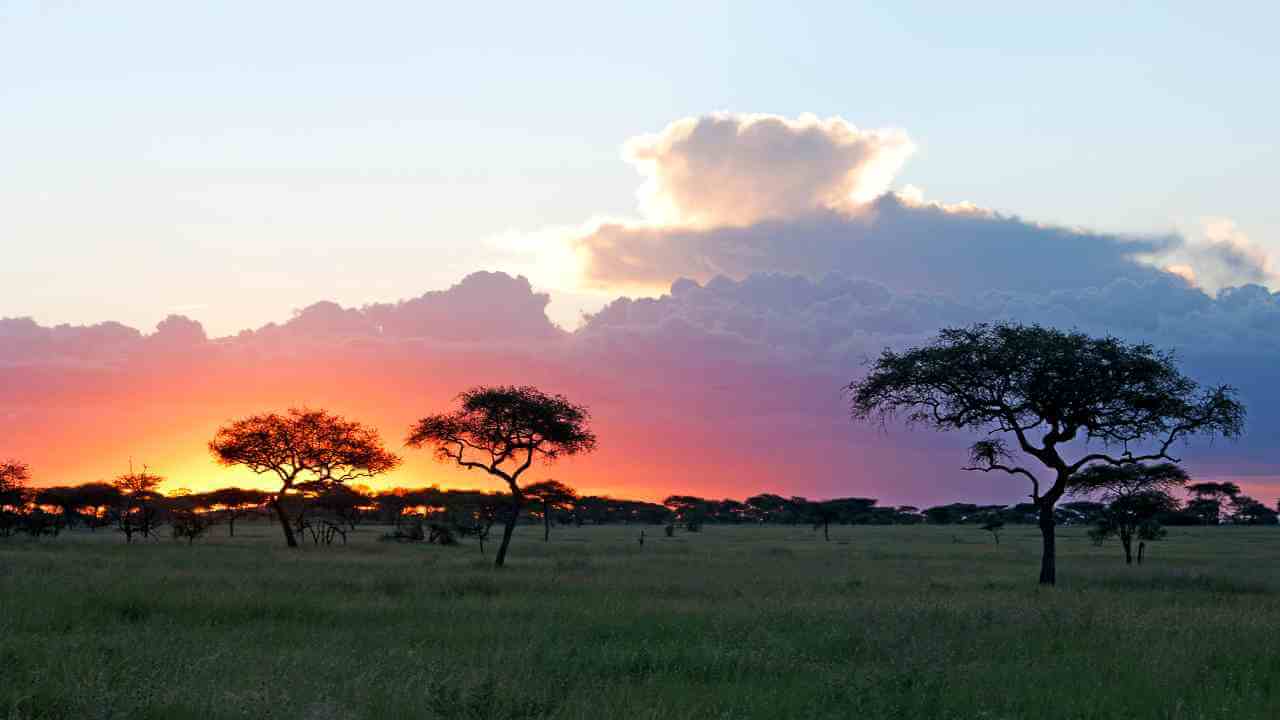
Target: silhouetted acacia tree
[(994, 526), (1208, 498), (1248, 511), (303, 445), (501, 430), (14, 477), (234, 503), (1028, 380), (137, 508), (1137, 494), (553, 495), (822, 514), (689, 509)]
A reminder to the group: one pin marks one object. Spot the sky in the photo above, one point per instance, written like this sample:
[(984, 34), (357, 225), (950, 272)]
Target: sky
[(235, 163)]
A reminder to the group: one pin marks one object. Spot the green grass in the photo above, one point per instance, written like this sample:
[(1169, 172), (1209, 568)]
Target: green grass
[(881, 622)]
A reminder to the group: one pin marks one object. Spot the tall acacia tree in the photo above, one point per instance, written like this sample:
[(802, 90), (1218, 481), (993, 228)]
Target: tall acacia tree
[(302, 446), (502, 430), (1046, 388)]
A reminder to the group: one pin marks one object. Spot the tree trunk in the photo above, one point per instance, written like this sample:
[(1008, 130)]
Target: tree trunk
[(289, 539), (826, 531), (231, 527), (507, 529), (1126, 540), (1048, 556), (546, 521), (1141, 546)]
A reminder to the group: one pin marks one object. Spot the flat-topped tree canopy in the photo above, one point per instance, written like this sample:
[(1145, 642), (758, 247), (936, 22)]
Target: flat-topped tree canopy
[(501, 430), (506, 427), (301, 443), (307, 447), (1044, 388), (1028, 379)]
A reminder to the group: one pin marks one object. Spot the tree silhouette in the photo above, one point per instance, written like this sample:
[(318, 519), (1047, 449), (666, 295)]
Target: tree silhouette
[(138, 506), (1209, 496), (1027, 380), (302, 446), (1137, 494), (553, 495), (14, 477), (234, 503), (994, 525), (501, 430), (1248, 511)]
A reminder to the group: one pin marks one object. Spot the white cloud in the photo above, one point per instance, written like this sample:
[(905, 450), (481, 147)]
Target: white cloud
[(731, 170)]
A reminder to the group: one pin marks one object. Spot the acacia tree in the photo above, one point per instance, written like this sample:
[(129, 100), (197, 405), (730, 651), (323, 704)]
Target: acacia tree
[(1136, 494), (1026, 381), (138, 508), (1208, 499), (553, 495), (302, 446), (234, 503), (501, 430), (14, 477)]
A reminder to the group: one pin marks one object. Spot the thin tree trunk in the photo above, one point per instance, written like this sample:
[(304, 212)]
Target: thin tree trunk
[(507, 529), (231, 527), (289, 539), (1127, 542), (1141, 546), (546, 521), (826, 531), (1048, 556)]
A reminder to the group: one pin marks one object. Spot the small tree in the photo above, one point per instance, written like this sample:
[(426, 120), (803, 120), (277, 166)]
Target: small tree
[(1136, 495), (233, 503), (822, 514), (188, 520), (14, 477), (302, 445), (502, 430), (1208, 498), (553, 495), (994, 525), (138, 507), (1027, 380), (1247, 511)]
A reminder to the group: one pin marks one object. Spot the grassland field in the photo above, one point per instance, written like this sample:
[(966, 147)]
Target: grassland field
[(733, 622)]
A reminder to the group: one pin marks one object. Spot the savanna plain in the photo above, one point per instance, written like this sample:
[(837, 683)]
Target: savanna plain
[(731, 622)]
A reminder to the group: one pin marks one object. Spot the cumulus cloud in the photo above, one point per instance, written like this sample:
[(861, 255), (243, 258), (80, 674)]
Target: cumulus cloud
[(1220, 255), (725, 387), (906, 244), (733, 169)]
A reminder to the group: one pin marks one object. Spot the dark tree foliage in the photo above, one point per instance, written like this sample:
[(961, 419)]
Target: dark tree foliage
[(1208, 499), (689, 510), (14, 477), (1248, 511), (1134, 516), (233, 503), (1045, 388), (310, 446), (994, 525), (1137, 496), (138, 509), (502, 430), (552, 495)]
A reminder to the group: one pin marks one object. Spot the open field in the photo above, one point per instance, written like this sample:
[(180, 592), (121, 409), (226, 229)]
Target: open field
[(734, 622)]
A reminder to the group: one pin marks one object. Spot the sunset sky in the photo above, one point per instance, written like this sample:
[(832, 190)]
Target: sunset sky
[(371, 208)]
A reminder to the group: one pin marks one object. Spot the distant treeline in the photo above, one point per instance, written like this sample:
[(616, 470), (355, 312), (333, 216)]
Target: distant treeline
[(325, 513)]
